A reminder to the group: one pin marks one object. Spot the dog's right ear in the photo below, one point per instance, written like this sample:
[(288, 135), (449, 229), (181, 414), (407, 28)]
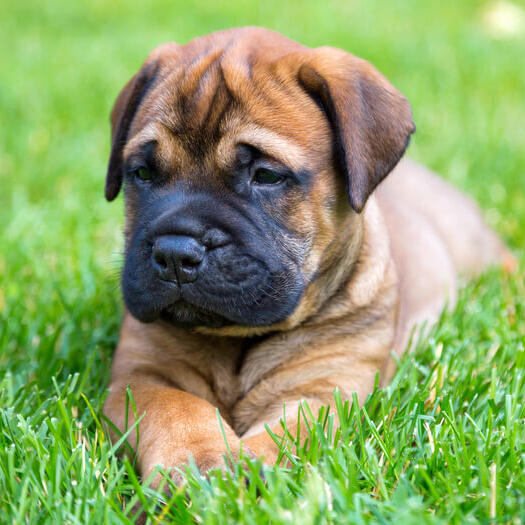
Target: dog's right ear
[(124, 110)]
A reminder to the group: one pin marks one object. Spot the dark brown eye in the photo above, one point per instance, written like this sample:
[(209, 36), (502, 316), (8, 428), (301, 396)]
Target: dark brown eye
[(142, 174), (267, 177)]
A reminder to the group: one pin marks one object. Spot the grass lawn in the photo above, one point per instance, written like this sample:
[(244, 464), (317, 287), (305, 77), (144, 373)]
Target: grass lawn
[(445, 443)]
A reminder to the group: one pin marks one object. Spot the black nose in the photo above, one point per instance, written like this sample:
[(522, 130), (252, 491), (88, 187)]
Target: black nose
[(176, 257)]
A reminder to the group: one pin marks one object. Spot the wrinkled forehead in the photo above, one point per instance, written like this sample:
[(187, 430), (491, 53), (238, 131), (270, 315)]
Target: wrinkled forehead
[(215, 102)]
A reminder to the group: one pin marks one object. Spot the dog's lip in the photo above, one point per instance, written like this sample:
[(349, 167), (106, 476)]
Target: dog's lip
[(172, 284), (182, 304), (178, 301)]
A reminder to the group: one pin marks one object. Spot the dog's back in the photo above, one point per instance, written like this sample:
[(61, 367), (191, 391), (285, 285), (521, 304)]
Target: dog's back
[(437, 234)]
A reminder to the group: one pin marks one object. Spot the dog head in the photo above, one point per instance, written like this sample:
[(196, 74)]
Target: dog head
[(247, 160)]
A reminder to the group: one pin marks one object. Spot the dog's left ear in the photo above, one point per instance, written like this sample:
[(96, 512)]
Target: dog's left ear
[(125, 108), (371, 121)]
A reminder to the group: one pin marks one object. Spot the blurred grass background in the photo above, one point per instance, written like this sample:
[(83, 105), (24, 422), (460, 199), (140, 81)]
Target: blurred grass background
[(62, 65)]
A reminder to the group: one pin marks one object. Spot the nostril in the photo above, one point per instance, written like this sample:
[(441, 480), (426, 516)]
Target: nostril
[(160, 259), (190, 263)]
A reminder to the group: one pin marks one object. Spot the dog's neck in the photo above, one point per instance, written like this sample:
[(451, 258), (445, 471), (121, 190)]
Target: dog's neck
[(371, 272), (363, 272)]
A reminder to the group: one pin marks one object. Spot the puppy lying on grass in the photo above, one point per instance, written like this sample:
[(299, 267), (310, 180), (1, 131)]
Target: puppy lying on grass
[(267, 259)]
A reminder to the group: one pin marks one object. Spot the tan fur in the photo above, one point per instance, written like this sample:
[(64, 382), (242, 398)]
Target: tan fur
[(374, 270)]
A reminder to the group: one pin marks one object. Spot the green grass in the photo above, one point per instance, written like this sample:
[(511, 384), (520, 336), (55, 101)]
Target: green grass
[(445, 443)]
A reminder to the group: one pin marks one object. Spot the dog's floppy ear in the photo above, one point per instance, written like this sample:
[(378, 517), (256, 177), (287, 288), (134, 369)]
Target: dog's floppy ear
[(122, 115), (371, 121), (124, 109)]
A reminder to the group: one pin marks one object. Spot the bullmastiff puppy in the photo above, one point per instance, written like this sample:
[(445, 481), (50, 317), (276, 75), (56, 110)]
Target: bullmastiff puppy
[(267, 261)]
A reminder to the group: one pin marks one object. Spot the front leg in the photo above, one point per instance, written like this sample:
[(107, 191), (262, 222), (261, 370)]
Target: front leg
[(175, 426), (349, 364)]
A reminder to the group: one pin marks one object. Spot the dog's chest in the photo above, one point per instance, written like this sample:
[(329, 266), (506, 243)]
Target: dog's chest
[(232, 371), (224, 380), (228, 376)]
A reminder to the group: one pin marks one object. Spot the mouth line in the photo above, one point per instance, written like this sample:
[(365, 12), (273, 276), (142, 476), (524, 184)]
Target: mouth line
[(183, 303), (186, 314), (172, 284)]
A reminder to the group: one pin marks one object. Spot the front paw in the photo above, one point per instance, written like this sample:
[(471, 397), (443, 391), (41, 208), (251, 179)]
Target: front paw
[(206, 458)]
